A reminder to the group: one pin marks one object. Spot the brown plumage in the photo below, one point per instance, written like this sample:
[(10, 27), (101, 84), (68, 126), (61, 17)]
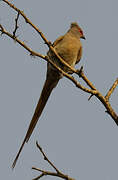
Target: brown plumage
[(69, 48)]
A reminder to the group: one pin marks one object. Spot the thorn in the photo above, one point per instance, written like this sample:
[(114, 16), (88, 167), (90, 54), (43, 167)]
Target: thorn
[(90, 97), (79, 71)]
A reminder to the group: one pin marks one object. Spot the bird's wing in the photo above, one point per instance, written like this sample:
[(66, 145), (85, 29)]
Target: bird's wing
[(58, 40), (79, 55)]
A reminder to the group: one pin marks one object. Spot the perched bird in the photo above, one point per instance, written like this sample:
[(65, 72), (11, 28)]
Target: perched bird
[(69, 48)]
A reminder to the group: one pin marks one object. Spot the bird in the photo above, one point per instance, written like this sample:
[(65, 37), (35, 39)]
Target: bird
[(69, 48)]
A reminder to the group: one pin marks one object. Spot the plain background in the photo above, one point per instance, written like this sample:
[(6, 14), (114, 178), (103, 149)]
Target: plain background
[(76, 134)]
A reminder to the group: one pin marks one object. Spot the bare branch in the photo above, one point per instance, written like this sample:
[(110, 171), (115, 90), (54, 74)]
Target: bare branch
[(111, 90), (16, 25), (82, 75), (108, 107), (41, 175), (49, 173), (46, 158), (90, 97), (33, 53)]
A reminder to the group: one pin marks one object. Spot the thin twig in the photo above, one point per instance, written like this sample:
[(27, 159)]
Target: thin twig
[(46, 158), (16, 25), (33, 53), (90, 97), (49, 173), (82, 75), (38, 177), (111, 90)]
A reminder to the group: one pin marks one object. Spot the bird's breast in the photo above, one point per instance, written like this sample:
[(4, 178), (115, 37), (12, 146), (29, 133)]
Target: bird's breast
[(68, 50)]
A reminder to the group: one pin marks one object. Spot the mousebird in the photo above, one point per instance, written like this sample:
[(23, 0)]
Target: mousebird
[(69, 48)]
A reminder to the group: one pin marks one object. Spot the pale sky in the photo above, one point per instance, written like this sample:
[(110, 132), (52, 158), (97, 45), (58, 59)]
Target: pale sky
[(76, 134)]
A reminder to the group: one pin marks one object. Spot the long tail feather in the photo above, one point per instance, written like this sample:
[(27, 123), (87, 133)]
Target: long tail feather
[(14, 163), (50, 83)]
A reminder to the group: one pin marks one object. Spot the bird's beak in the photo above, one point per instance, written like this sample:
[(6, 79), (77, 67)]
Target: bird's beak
[(83, 37)]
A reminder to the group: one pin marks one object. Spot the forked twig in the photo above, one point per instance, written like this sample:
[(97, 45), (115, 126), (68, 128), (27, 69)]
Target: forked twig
[(49, 173), (46, 158)]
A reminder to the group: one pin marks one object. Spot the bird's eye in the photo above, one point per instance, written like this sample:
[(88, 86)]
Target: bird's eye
[(80, 31)]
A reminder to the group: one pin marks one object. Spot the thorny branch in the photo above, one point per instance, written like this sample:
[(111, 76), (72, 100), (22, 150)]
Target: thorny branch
[(93, 91), (49, 173)]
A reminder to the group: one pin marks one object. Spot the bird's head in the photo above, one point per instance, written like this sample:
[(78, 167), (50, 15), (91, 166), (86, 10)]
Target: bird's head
[(77, 27)]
